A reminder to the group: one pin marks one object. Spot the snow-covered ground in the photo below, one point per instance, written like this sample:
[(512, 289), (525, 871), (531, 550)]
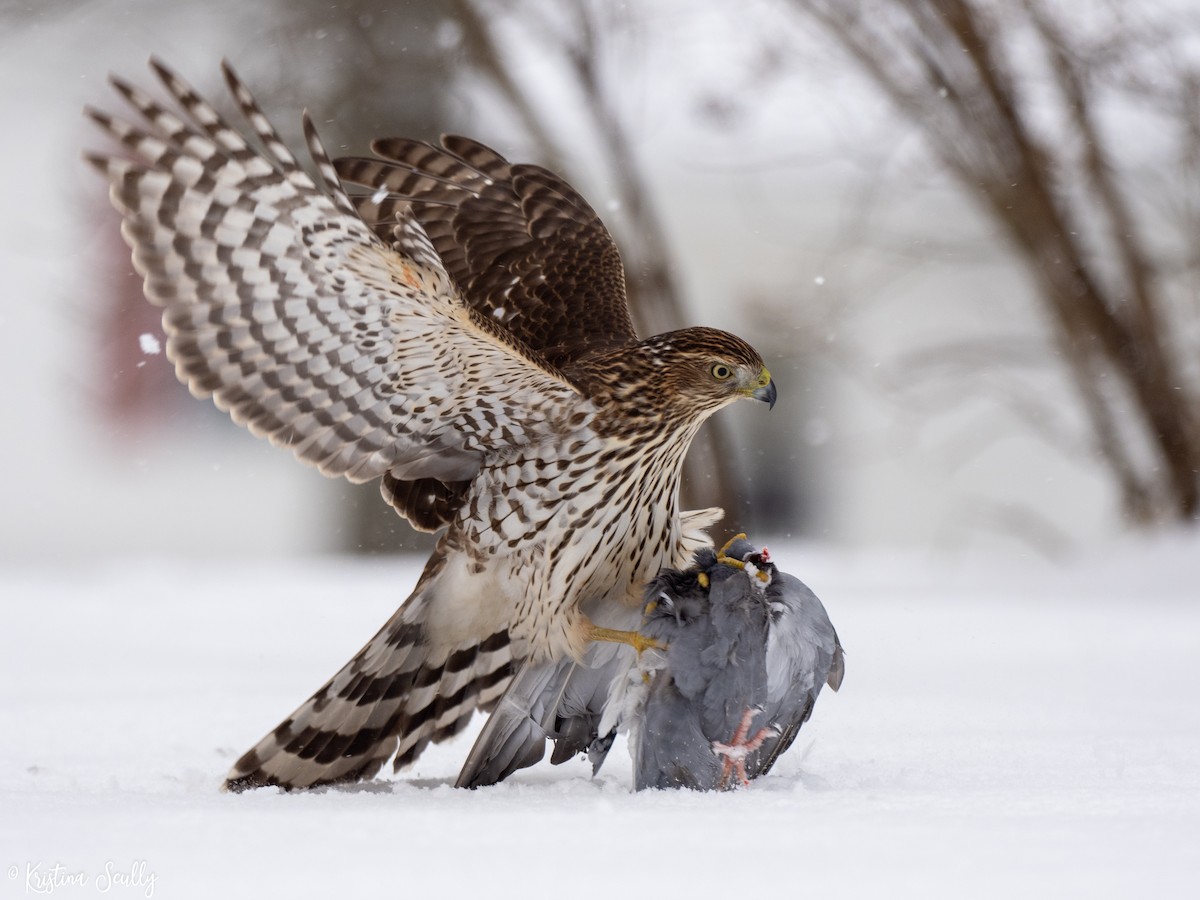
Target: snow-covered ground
[(1005, 730)]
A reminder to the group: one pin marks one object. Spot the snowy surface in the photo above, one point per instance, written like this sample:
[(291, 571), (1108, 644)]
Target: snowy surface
[(1004, 730)]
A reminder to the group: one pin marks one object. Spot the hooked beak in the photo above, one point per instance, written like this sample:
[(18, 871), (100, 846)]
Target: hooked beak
[(765, 391)]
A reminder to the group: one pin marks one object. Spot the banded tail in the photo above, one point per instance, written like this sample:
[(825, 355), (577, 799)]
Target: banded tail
[(398, 694)]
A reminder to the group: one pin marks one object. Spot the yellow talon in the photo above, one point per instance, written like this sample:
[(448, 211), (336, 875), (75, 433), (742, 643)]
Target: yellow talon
[(737, 563), (729, 560), (634, 639), (702, 578)]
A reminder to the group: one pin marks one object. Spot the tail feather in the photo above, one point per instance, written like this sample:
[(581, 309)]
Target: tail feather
[(405, 690), (515, 734), (558, 700), (400, 693)]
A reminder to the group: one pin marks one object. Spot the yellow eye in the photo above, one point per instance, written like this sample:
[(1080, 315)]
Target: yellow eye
[(722, 372)]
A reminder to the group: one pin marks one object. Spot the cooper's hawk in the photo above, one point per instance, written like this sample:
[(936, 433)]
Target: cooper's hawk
[(748, 649), (460, 331)]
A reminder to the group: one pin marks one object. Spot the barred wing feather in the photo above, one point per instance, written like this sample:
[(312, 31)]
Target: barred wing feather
[(281, 304)]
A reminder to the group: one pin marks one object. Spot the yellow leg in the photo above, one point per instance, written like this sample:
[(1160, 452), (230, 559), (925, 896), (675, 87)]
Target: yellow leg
[(725, 560), (729, 560), (633, 638)]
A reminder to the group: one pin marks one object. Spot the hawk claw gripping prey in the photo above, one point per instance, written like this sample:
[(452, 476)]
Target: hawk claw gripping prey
[(459, 332), (745, 643)]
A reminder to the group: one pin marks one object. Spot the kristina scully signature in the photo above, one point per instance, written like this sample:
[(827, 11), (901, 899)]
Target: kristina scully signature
[(41, 878)]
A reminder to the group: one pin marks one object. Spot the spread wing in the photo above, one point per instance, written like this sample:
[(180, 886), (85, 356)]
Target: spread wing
[(523, 247), (283, 305)]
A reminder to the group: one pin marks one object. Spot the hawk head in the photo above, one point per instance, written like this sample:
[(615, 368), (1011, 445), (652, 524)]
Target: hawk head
[(706, 368), (684, 375)]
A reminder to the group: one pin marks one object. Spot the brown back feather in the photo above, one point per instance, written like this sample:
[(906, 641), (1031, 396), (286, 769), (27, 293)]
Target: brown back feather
[(525, 250)]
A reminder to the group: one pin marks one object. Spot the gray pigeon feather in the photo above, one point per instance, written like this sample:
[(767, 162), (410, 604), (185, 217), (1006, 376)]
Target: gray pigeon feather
[(748, 649)]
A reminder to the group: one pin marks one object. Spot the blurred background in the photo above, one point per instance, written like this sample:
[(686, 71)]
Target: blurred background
[(965, 236)]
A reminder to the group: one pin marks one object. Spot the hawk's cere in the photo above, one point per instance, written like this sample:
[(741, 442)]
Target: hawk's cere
[(748, 649), (459, 332)]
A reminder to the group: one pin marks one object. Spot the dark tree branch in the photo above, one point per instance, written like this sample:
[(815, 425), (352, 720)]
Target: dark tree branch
[(942, 63)]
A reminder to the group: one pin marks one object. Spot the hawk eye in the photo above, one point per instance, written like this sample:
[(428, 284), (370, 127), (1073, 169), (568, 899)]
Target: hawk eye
[(722, 372)]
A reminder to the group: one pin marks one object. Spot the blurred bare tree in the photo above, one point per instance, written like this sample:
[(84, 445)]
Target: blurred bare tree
[(1028, 106)]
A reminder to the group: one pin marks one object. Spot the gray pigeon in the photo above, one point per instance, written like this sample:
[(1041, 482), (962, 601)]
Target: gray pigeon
[(747, 650)]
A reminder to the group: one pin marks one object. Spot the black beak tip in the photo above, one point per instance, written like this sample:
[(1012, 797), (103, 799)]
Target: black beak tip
[(767, 394)]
